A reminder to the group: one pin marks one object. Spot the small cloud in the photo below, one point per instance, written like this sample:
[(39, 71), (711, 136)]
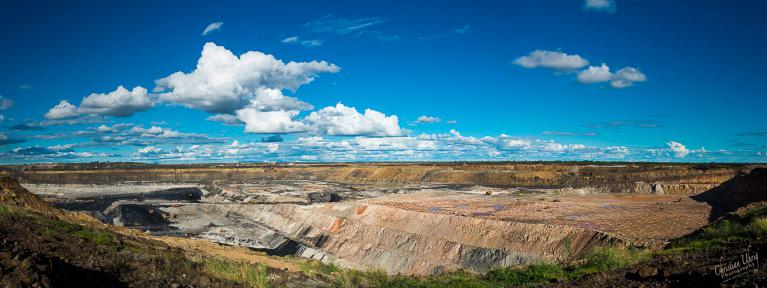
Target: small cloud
[(680, 151), (551, 60), (5, 103), (119, 103), (621, 79), (595, 74), (626, 77), (149, 150), (451, 122), (380, 36), (35, 150), (5, 140), (428, 119), (27, 126), (225, 119), (341, 120), (215, 26), (311, 43), (462, 30), (566, 133), (358, 27), (753, 134), (272, 139), (292, 39), (25, 87), (341, 25), (626, 123), (305, 43), (600, 5), (63, 110)]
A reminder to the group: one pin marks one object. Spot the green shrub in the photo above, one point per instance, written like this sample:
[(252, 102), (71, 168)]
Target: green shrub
[(758, 227)]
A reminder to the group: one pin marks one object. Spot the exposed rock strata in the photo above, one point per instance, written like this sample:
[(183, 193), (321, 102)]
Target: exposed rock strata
[(401, 241)]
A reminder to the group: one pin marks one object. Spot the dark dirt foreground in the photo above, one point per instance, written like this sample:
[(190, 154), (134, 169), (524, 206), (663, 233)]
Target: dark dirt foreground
[(38, 251), (690, 269)]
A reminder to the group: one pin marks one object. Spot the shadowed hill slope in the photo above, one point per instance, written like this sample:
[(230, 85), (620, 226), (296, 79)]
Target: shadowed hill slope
[(735, 193)]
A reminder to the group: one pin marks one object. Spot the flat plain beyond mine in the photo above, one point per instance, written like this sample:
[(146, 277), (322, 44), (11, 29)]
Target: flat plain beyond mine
[(402, 218)]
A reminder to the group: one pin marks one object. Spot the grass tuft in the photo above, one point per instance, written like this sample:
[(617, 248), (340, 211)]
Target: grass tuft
[(715, 235), (255, 276), (96, 236)]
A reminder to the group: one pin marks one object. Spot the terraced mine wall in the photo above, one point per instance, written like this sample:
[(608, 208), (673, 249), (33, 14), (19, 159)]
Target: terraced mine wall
[(677, 179), (360, 235)]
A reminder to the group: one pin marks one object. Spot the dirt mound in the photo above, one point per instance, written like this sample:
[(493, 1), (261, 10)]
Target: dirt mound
[(735, 193), (12, 193), (26, 268)]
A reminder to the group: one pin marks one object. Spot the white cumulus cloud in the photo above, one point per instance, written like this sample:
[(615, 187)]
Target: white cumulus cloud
[(680, 151), (428, 119), (342, 120), (551, 60), (257, 121), (273, 100), (63, 110), (626, 77), (118, 103), (223, 82), (595, 74)]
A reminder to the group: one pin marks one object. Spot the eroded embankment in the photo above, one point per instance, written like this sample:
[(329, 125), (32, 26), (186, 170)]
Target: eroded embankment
[(361, 235)]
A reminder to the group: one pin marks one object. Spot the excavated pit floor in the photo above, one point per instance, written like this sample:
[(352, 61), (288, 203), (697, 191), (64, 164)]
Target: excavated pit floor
[(640, 219)]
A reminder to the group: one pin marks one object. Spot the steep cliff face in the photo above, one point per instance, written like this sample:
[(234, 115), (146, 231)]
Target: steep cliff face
[(401, 241)]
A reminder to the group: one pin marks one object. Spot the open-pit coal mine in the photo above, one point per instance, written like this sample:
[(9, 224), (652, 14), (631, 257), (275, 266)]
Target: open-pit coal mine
[(415, 219)]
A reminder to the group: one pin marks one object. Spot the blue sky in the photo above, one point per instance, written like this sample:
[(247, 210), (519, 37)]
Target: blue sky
[(499, 80)]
